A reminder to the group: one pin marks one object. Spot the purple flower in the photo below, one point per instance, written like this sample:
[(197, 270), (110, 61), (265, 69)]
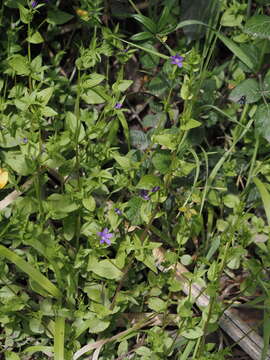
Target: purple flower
[(177, 60), (118, 211), (144, 194), (118, 106), (35, 3), (105, 236), (155, 189), (25, 140)]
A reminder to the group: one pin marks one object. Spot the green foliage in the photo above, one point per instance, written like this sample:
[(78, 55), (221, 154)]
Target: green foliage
[(113, 150)]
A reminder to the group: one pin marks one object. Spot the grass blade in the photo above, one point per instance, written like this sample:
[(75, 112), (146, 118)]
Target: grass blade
[(265, 197), (31, 271), (59, 338)]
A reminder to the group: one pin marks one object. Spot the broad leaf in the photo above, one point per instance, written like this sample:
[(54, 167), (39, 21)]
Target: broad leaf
[(248, 88), (258, 26)]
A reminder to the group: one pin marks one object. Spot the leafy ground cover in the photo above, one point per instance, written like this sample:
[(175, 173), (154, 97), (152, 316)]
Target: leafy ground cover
[(127, 127)]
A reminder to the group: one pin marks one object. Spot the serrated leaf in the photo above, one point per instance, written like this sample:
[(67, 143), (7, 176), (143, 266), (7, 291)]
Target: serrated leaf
[(248, 88), (258, 26)]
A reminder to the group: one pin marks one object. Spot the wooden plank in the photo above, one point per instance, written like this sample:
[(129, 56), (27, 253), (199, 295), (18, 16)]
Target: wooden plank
[(14, 195)]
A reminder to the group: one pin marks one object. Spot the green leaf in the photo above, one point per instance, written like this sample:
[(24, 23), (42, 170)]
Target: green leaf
[(72, 124), (147, 22), (16, 160), (164, 19), (25, 14), (162, 160), (35, 38), (107, 270), (265, 197), (149, 61), (58, 17), (134, 210), (166, 138), (122, 85), (10, 355), (192, 334), (94, 324), (59, 338), (125, 162), (45, 95), (89, 203), (258, 26), (93, 80), (262, 121), (19, 64), (47, 350), (231, 201), (48, 111), (124, 124), (143, 351), (32, 272), (62, 203), (156, 304), (95, 96), (143, 48), (142, 36), (138, 139), (248, 88), (237, 51), (191, 124), (148, 182)]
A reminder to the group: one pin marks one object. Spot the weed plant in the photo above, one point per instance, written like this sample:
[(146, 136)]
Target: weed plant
[(127, 126)]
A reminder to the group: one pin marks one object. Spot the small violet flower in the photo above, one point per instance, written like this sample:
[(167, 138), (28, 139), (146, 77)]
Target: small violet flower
[(24, 140), (35, 3), (105, 236), (118, 106), (177, 60), (144, 194), (155, 189), (118, 211)]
